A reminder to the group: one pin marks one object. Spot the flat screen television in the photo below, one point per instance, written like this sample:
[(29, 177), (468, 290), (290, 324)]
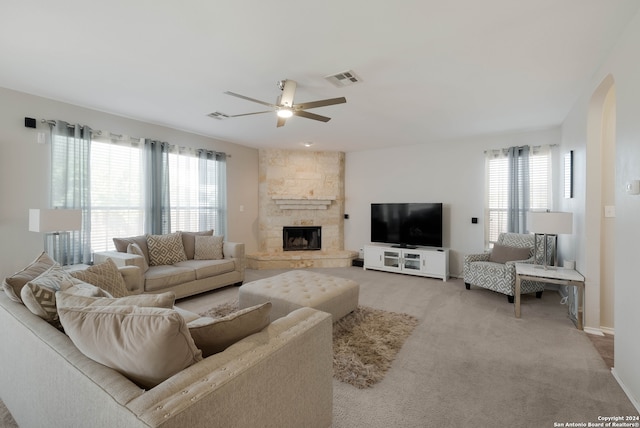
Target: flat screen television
[(407, 224)]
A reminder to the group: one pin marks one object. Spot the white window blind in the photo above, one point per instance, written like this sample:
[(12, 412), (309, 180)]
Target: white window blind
[(117, 205)]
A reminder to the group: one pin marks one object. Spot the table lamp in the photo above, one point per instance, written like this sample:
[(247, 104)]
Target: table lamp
[(549, 224), (56, 224)]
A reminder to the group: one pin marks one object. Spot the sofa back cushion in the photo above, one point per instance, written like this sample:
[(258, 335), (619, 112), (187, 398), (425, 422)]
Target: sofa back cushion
[(147, 345), (13, 284), (122, 244), (165, 249), (189, 242), (213, 335)]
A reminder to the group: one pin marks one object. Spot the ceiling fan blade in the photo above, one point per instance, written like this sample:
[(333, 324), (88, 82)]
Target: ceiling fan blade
[(289, 90), (249, 114), (321, 103), (281, 121), (233, 94), (313, 116)]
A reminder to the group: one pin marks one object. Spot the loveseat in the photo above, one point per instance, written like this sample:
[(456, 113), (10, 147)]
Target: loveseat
[(186, 263), (280, 376)]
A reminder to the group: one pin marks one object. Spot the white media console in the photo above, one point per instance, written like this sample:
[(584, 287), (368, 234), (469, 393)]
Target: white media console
[(422, 261)]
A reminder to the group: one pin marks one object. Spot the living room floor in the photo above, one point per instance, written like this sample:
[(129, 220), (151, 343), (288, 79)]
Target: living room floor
[(469, 362)]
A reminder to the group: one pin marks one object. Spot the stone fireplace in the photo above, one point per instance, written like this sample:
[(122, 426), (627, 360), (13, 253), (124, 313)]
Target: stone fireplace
[(300, 189)]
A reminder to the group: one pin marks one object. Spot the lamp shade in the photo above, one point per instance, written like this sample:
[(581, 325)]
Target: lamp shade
[(550, 223), (56, 220)]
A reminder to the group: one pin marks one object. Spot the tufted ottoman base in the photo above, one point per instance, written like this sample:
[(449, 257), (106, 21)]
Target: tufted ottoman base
[(299, 288)]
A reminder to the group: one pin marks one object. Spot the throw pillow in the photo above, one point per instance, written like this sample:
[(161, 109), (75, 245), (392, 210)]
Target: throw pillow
[(135, 249), (147, 345), (215, 335), (189, 241), (503, 253), (13, 284), (208, 248), (106, 276), (65, 299), (39, 294), (121, 244), (165, 249)]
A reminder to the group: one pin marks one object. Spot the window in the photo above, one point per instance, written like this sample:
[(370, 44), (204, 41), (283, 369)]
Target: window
[(500, 186), (117, 205), (119, 188)]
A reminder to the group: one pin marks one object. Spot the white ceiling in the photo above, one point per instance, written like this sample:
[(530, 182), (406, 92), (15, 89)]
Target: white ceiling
[(432, 70)]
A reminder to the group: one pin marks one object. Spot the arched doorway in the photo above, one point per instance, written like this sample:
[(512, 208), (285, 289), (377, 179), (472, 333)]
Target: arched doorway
[(599, 222)]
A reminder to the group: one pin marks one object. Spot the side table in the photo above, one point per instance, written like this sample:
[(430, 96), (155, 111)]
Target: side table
[(553, 275)]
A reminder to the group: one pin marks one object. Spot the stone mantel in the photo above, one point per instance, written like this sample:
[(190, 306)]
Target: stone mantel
[(288, 202)]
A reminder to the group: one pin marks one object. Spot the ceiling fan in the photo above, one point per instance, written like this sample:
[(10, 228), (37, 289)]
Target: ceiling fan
[(284, 106)]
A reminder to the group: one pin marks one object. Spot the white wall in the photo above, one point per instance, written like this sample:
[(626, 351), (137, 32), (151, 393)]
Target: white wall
[(449, 172), (623, 68), (24, 171)]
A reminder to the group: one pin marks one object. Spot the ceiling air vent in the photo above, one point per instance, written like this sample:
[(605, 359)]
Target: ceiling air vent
[(344, 78), (218, 115)]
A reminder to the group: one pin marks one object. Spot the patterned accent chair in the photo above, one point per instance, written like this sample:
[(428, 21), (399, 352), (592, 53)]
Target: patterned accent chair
[(501, 277)]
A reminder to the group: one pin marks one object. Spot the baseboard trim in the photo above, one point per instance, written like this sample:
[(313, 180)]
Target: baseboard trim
[(594, 331), (631, 398), (609, 331)]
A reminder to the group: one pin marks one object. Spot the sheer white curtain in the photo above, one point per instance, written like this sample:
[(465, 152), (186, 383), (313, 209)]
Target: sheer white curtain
[(197, 192), (70, 181)]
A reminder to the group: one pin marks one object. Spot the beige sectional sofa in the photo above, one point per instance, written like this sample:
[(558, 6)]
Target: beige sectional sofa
[(280, 376), (187, 274)]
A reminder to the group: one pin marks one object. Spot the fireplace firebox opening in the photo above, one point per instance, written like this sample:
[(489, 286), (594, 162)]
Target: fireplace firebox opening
[(297, 238)]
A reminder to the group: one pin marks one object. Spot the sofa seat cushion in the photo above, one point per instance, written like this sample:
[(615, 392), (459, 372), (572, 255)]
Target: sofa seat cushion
[(160, 277), (490, 267), (208, 268)]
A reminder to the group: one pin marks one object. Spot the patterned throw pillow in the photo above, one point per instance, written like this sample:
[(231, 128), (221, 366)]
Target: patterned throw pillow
[(208, 248), (165, 249), (13, 284), (189, 241), (39, 294), (106, 276)]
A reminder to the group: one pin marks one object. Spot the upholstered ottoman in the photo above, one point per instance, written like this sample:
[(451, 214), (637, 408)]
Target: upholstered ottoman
[(300, 288)]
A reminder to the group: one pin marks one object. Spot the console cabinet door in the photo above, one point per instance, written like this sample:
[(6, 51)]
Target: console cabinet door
[(373, 257)]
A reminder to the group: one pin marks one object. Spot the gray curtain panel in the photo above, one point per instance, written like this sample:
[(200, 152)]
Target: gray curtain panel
[(518, 158)]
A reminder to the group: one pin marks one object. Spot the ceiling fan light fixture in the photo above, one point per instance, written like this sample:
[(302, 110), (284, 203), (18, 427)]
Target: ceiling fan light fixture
[(285, 113)]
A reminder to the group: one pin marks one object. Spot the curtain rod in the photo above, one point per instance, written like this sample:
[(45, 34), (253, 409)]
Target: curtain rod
[(533, 147), (99, 132)]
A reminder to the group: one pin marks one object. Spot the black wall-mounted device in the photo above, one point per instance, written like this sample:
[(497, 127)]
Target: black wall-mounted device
[(29, 122), (474, 220)]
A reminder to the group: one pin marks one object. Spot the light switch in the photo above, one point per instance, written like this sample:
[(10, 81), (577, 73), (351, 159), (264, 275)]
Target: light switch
[(609, 211)]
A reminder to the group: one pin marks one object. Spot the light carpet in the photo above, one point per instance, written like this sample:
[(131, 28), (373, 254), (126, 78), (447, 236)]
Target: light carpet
[(469, 362), (365, 342)]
